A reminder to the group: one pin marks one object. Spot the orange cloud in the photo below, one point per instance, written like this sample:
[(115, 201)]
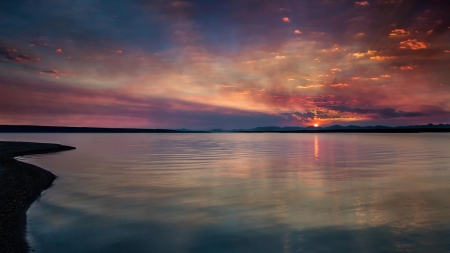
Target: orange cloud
[(286, 19), (398, 33), (297, 32), (59, 51), (336, 69), (357, 55), (413, 44), (117, 51), (382, 58), (409, 67), (309, 86), (446, 51), (339, 85), (386, 76), (362, 3)]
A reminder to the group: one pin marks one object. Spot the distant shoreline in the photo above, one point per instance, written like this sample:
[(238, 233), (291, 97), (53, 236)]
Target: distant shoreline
[(413, 130), (21, 184), (332, 129)]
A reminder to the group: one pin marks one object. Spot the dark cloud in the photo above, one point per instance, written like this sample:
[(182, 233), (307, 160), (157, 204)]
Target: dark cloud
[(377, 113), (50, 71), (12, 55)]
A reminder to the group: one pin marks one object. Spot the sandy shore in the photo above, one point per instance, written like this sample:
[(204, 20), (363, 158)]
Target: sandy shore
[(20, 185)]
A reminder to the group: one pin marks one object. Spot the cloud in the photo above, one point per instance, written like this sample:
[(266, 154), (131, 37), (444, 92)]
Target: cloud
[(339, 85), (215, 51), (357, 55), (12, 55), (39, 45), (22, 58), (413, 44), (359, 35), (382, 57), (56, 73), (286, 20), (50, 72), (377, 113), (180, 4), (59, 51), (309, 86), (300, 116), (48, 103), (408, 67), (360, 54), (362, 3), (398, 33)]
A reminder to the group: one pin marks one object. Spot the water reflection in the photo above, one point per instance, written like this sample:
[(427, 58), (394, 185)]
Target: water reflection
[(245, 193), (316, 146)]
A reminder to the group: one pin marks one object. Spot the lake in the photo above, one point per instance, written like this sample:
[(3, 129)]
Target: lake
[(240, 192)]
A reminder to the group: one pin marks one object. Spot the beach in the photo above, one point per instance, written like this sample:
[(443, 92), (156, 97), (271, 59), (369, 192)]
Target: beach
[(21, 185)]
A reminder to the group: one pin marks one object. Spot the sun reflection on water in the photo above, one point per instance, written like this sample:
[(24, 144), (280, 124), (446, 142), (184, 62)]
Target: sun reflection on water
[(203, 191)]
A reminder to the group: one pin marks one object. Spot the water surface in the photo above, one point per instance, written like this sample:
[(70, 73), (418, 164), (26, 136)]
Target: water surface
[(330, 192)]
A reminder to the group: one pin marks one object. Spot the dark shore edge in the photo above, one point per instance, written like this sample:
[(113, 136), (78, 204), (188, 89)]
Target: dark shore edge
[(20, 185), (430, 128)]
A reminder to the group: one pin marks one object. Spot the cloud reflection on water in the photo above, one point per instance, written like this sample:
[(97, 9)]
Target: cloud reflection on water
[(246, 193)]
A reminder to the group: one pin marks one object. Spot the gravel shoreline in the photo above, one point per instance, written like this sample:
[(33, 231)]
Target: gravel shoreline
[(20, 185)]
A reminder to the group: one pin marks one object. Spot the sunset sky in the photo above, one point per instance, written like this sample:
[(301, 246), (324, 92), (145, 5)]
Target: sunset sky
[(205, 64)]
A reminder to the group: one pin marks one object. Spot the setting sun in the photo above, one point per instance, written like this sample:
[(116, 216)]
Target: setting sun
[(316, 125)]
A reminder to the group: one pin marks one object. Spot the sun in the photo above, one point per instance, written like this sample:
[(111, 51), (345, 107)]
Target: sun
[(316, 125)]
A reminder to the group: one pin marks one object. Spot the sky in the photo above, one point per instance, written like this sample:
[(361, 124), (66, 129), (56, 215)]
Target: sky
[(203, 64)]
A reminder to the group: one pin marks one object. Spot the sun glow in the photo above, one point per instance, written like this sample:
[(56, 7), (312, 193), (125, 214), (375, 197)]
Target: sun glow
[(316, 125)]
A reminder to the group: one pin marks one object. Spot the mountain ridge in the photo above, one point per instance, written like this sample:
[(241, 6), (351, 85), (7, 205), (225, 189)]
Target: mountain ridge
[(266, 129)]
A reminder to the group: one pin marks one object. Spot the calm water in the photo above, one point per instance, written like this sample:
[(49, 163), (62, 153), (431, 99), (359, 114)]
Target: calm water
[(243, 193)]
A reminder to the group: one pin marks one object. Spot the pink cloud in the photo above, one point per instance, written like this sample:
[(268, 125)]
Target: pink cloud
[(362, 3), (413, 44), (398, 33)]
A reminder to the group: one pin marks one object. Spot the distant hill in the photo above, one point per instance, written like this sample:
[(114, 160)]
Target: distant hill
[(350, 129), (267, 129)]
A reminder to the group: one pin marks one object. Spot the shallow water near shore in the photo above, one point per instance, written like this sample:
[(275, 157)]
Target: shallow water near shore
[(263, 192)]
